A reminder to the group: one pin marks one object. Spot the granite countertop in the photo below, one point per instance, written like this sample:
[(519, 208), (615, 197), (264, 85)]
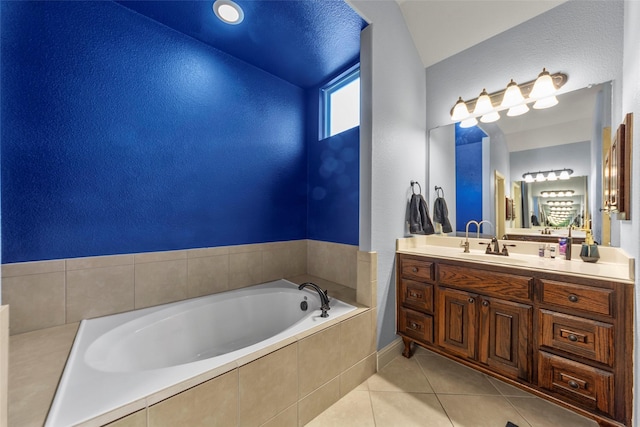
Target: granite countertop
[(613, 264)]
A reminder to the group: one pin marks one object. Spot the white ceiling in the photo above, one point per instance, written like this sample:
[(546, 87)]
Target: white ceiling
[(442, 28)]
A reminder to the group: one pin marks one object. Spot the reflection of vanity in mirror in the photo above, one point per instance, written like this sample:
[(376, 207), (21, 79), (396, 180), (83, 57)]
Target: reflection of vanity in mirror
[(484, 171)]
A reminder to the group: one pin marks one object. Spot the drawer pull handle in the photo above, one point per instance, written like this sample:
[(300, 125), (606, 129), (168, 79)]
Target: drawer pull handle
[(485, 303), (414, 269), (471, 300), (573, 298), (415, 295), (573, 384), (573, 338), (415, 326)]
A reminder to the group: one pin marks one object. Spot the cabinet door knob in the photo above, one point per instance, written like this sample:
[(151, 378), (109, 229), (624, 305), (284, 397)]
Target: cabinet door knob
[(485, 303), (573, 338), (414, 269), (573, 384), (471, 300), (573, 298)]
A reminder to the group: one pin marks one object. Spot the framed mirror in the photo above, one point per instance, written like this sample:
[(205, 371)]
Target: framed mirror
[(566, 136)]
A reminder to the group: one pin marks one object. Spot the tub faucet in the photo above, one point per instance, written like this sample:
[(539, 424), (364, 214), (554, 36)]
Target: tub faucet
[(324, 298)]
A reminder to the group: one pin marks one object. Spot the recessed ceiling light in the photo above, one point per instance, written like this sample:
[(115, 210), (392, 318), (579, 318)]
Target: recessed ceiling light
[(228, 11)]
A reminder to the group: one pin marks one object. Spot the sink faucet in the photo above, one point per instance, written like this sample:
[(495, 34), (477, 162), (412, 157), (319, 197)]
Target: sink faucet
[(465, 244), (324, 298)]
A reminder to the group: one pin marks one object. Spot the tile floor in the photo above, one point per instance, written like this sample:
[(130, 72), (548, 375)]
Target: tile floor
[(430, 390)]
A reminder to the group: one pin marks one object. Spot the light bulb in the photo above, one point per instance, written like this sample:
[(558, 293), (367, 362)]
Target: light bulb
[(539, 177), (528, 178), (467, 123), (551, 176), (564, 174), (460, 111), (490, 117), (512, 96), (548, 102), (543, 86), (517, 110), (483, 104)]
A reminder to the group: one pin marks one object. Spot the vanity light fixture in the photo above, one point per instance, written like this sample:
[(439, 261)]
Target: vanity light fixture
[(557, 193), (551, 175), (228, 11), (513, 98)]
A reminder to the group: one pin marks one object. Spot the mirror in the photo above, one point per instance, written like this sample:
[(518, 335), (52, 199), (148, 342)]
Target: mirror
[(482, 168)]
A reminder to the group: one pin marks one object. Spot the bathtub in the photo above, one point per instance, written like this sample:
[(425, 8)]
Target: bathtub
[(119, 359)]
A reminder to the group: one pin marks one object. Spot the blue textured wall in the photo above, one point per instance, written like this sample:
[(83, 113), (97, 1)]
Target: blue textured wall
[(120, 135), (468, 175), (334, 179)]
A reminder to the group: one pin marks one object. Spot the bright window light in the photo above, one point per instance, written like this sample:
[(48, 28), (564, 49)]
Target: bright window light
[(341, 101)]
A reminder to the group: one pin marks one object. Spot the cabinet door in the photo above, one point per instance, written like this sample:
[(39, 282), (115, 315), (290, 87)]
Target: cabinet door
[(504, 337), (457, 319)]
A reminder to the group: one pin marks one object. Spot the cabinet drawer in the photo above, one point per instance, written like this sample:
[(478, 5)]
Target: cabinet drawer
[(417, 295), (583, 337), (585, 385), (415, 325), (500, 285), (417, 269), (578, 297)]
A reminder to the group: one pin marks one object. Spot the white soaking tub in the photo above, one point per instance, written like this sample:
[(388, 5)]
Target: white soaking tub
[(118, 359)]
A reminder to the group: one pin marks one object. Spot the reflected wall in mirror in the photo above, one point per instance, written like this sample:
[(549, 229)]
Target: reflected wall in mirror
[(567, 136)]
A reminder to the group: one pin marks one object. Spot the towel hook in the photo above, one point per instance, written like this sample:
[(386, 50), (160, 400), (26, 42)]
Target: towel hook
[(439, 191), (413, 189)]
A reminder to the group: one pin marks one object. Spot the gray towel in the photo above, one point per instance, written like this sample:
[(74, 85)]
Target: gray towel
[(441, 214), (419, 221)]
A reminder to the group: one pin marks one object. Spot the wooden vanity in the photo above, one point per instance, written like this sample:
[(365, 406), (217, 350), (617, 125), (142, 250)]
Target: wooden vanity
[(563, 337)]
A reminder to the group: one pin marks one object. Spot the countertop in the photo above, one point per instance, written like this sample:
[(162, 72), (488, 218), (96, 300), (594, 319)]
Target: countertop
[(613, 264)]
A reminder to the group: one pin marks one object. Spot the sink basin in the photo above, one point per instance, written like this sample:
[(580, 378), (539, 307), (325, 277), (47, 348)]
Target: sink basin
[(493, 258)]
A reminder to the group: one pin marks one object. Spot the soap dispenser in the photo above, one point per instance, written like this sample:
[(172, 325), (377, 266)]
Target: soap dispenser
[(589, 251)]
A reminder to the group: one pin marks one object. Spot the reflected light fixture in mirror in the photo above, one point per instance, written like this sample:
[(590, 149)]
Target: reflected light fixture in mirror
[(557, 193), (513, 98), (551, 175)]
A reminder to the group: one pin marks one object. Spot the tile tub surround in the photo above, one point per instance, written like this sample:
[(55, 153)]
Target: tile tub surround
[(275, 387), (44, 294)]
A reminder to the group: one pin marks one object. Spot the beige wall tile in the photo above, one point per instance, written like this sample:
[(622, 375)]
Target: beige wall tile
[(274, 262), (286, 418), (318, 350), (37, 301), (207, 275), (36, 267), (239, 249), (333, 261), (356, 339), (268, 386), (137, 419), (99, 291), (4, 364), (213, 403), (99, 261), (245, 269), (160, 282), (357, 374), (315, 403), (207, 252), (298, 257), (159, 256)]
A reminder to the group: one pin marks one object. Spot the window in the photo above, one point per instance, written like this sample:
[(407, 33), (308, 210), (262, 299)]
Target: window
[(341, 103)]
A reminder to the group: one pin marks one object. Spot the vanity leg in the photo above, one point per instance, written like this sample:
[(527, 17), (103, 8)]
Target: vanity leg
[(407, 347)]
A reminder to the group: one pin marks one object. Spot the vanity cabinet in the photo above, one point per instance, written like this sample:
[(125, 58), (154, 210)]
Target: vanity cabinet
[(565, 338)]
